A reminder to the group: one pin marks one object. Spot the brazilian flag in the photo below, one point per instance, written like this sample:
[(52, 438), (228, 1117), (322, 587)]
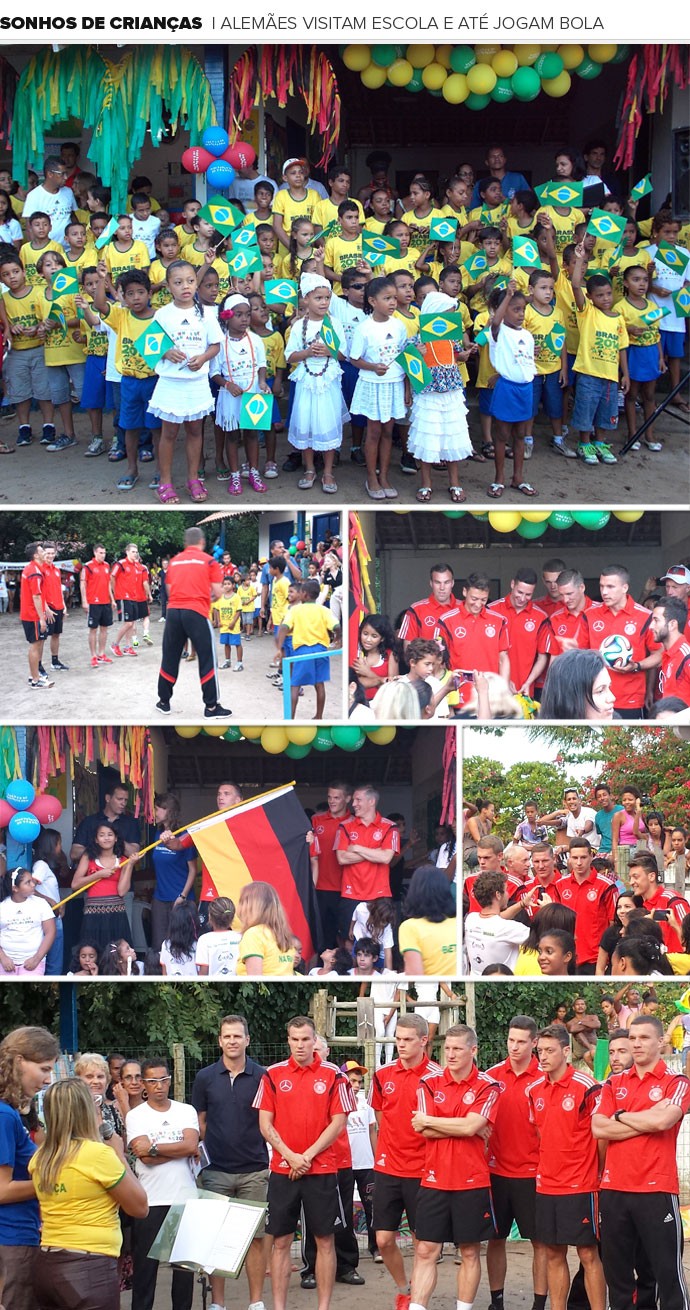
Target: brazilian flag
[(256, 411), (224, 216), (499, 283), (280, 291), (330, 337), (106, 235), (481, 338), (441, 327), (153, 343), (653, 314), (65, 282), (606, 226), (672, 256), (443, 229), (414, 366), (475, 265), (525, 253), (331, 229), (384, 247), (57, 319), (642, 188), (245, 261), (555, 339), (243, 237), (564, 193), (681, 300)]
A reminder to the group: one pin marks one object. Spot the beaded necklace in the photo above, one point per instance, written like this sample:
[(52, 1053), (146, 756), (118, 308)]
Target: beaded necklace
[(314, 373)]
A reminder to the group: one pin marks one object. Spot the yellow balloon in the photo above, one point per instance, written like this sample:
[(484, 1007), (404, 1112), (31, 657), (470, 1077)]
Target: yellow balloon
[(556, 87), (505, 520), (504, 63), (374, 77), (188, 733), (536, 515), (301, 736), (274, 740), (527, 54), (628, 515), (443, 53), (549, 45), (420, 55), (433, 76), (357, 57), (572, 55), (381, 736), (400, 72), (602, 54), (485, 54), (216, 731), (481, 79), (252, 732), (455, 89)]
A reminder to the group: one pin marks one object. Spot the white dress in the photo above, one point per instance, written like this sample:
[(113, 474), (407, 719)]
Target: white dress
[(318, 410), (182, 395), (379, 397), (238, 360), (438, 427)]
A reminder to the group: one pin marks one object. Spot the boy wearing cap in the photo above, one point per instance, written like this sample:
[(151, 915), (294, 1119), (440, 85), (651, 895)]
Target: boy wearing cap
[(362, 1131)]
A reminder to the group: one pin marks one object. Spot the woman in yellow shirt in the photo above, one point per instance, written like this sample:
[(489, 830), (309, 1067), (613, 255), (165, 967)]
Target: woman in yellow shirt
[(267, 945), (80, 1182), (428, 935)]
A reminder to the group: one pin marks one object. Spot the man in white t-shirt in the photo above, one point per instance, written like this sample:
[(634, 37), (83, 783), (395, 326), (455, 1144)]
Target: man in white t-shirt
[(164, 1136), (492, 936), (362, 1131), (53, 198), (574, 820)]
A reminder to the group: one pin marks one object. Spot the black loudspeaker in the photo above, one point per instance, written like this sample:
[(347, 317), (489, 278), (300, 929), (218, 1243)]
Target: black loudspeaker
[(681, 172)]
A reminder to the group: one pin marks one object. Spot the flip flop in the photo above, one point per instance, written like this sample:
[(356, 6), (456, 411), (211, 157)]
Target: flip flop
[(5, 449), (424, 494), (525, 488), (478, 457), (457, 495), (496, 490), (487, 450)]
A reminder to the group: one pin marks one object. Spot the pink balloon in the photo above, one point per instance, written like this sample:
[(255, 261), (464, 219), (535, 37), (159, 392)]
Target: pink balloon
[(6, 812), (196, 159), (47, 809), (240, 155)]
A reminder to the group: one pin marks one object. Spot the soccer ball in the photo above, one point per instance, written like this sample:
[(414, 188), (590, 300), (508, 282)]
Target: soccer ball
[(616, 651)]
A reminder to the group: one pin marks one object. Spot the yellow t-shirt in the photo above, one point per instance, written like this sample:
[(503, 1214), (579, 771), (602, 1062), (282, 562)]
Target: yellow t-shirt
[(59, 348), (161, 295), (275, 352), (30, 258), (466, 251), (436, 943), (251, 220), (84, 260), (259, 943), (684, 236), (410, 321), (279, 599), (502, 267), (639, 260), (546, 359), (527, 964), (514, 229), (326, 212), (79, 1213), (375, 225), (521, 275), (310, 624), (419, 227), (601, 340), (288, 209), (406, 263), (245, 595), (228, 610), (24, 311), (119, 262), (128, 326), (485, 371), (633, 316), (340, 254), (567, 310), (184, 237), (460, 214), (564, 225), (96, 340), (490, 218)]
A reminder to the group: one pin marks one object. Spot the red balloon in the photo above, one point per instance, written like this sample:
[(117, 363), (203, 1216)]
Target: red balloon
[(6, 812), (47, 809), (196, 159), (240, 155), (301, 545)]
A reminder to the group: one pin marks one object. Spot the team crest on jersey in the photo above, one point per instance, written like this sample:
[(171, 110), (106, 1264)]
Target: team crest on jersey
[(439, 1097), (568, 1103), (530, 625), (630, 629), (389, 1088), (320, 1087), (591, 896), (469, 1098), (490, 631), (597, 626), (377, 834), (655, 1093), (286, 1085)]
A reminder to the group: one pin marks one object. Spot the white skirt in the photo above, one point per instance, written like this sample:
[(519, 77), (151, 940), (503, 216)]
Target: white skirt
[(438, 429), (318, 414), (228, 411), (181, 400), (381, 401)]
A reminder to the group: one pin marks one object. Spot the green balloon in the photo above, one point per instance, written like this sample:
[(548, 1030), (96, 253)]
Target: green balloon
[(454, 513), (526, 83), (462, 57), (530, 531), (475, 101), (232, 734), (621, 54), (295, 751), (383, 55), (588, 70), (481, 518), (323, 740), (503, 91), (348, 737), (592, 519), (549, 64), (436, 93), (415, 83), (561, 519)]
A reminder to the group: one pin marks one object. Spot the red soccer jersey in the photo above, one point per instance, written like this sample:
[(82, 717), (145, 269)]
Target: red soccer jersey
[(343, 1151), (513, 1145), (523, 632), (513, 887), (31, 585), (189, 579), (631, 622), (663, 900), (365, 880), (393, 1093), (303, 1099), (594, 902), (423, 619), (52, 587), (97, 582), (140, 582), (548, 605), (475, 641), (456, 1163), (565, 624), (674, 671), (325, 827), (646, 1163), (562, 1113), (551, 890), (124, 579)]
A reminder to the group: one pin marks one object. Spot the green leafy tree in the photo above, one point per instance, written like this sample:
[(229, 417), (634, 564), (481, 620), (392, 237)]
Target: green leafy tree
[(510, 788), (155, 534)]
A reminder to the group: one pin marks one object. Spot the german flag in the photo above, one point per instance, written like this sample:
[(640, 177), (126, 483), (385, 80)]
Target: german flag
[(263, 840)]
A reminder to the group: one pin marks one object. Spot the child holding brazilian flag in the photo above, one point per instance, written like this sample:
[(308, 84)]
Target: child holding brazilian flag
[(438, 429)]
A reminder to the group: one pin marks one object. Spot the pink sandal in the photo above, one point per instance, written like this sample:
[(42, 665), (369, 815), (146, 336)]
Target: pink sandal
[(197, 491), (167, 494)]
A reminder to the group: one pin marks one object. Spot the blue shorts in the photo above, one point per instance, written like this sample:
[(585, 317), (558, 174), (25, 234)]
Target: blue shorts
[(643, 363), (546, 391), (571, 370), (135, 394), (596, 404), (309, 672), (672, 343), (288, 648), (485, 394), (230, 639), (511, 402), (93, 394)]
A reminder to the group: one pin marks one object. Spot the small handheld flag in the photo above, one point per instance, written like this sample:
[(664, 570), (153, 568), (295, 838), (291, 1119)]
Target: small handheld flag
[(414, 367), (681, 300), (224, 216), (245, 261), (280, 291), (642, 188), (329, 336), (481, 338), (476, 264), (65, 282), (106, 235), (653, 314), (256, 411), (441, 327), (152, 344), (672, 256), (565, 193), (379, 245), (443, 229), (606, 226), (525, 253), (331, 229), (57, 317), (243, 237)]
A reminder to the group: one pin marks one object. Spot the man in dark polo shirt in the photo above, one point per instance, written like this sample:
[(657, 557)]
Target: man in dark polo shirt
[(222, 1096), (193, 580)]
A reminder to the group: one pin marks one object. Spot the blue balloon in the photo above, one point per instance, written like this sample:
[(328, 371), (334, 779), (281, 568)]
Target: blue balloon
[(24, 827), (20, 794), (220, 174), (293, 541), (215, 140)]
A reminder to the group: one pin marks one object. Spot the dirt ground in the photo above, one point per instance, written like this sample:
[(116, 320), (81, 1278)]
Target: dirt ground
[(125, 691), (641, 478)]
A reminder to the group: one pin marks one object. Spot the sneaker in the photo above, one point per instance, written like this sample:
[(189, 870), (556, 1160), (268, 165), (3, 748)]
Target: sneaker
[(48, 435), (135, 641), (408, 463), (104, 659), (41, 670), (127, 650), (255, 481), (218, 712), (94, 661), (38, 684), (604, 453), (239, 667), (271, 469), (24, 438), (586, 452), (7, 412), (565, 430), (235, 485), (357, 455), (163, 706), (293, 462), (377, 1258), (529, 447), (226, 665), (402, 1301), (636, 445), (147, 639), (117, 650), (62, 443), (560, 448), (57, 664), (244, 470), (96, 446), (277, 683), (653, 445)]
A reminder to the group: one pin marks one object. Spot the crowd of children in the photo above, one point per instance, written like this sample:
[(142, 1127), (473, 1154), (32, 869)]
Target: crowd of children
[(317, 302)]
